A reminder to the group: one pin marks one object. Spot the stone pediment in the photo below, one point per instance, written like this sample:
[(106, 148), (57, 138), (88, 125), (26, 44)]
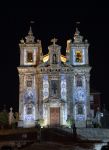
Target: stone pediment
[(53, 100)]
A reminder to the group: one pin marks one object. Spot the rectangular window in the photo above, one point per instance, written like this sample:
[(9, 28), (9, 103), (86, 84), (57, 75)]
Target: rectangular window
[(78, 56), (54, 87), (29, 57)]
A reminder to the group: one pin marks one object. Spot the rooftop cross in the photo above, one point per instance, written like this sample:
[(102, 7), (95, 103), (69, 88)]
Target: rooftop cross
[(54, 40)]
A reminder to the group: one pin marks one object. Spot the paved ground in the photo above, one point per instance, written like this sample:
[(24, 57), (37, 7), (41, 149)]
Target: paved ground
[(92, 133), (52, 138), (54, 146)]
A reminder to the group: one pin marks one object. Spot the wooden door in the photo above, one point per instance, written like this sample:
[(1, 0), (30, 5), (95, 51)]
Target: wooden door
[(54, 116)]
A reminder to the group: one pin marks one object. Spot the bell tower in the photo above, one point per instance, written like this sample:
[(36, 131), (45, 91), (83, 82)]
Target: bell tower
[(30, 57), (79, 60), (30, 51)]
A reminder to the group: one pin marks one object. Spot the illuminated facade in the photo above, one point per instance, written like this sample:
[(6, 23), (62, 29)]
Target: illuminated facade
[(54, 87)]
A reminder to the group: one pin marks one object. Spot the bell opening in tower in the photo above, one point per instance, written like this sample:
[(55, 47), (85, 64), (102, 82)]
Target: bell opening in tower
[(29, 57)]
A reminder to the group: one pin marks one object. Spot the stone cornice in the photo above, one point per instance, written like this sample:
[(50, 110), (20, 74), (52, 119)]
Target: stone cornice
[(30, 70), (82, 68), (30, 45), (80, 45)]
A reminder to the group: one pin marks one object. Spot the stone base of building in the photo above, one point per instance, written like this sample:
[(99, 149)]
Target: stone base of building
[(29, 124), (26, 124)]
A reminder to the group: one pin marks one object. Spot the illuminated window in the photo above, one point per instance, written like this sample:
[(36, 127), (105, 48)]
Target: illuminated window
[(78, 56), (29, 57)]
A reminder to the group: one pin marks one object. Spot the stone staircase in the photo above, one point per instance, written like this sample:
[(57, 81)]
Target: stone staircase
[(92, 133)]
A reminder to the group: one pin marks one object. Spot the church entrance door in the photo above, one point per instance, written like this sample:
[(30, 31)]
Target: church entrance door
[(54, 116)]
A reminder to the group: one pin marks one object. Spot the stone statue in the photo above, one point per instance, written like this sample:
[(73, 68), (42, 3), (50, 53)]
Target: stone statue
[(98, 117), (11, 116), (54, 59)]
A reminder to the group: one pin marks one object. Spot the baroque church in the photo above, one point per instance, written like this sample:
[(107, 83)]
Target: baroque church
[(54, 87)]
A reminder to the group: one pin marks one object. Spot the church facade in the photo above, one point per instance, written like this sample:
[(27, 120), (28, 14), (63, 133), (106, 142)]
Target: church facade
[(54, 87)]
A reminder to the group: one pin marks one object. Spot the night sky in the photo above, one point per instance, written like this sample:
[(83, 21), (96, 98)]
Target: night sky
[(60, 22)]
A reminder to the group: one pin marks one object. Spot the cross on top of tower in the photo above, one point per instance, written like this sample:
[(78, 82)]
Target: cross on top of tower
[(54, 40)]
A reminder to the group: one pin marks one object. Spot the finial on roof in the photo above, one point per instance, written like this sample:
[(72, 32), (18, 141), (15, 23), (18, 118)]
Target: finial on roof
[(77, 37), (22, 41), (30, 31), (77, 31), (30, 38)]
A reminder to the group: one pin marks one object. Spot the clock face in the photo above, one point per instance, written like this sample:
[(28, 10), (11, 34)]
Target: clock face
[(80, 94)]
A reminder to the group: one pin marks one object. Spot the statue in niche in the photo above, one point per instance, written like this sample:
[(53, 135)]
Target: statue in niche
[(11, 116), (54, 87), (54, 59)]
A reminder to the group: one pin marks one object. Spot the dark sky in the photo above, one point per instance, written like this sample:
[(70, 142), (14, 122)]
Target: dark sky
[(50, 21)]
